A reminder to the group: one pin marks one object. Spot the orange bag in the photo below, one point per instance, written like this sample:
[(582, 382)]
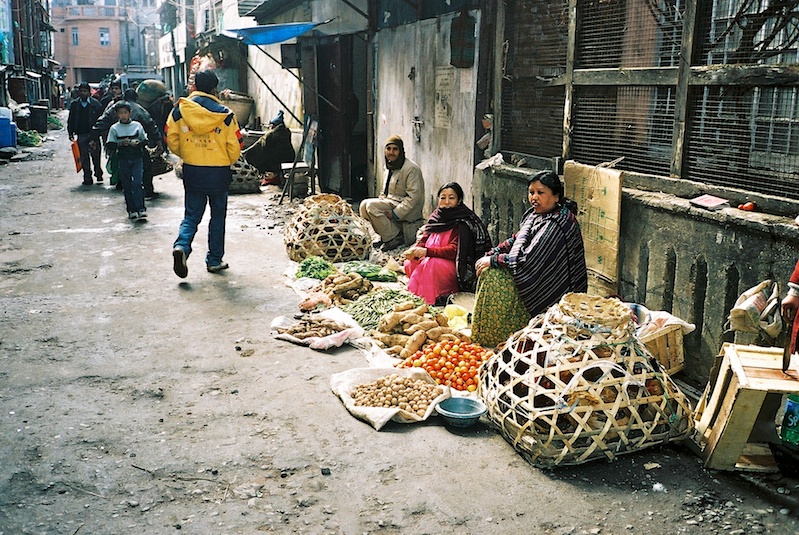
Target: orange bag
[(76, 156)]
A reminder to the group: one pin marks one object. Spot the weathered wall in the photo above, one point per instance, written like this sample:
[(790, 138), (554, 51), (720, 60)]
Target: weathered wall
[(415, 82), (688, 261)]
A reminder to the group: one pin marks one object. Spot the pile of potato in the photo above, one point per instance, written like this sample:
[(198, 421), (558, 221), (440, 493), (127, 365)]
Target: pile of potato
[(344, 288), (407, 328), (406, 393)]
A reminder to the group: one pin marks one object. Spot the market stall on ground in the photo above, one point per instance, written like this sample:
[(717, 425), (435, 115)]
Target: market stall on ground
[(591, 378)]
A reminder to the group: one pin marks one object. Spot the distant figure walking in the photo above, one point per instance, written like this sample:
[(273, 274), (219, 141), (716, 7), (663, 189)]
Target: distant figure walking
[(83, 112)]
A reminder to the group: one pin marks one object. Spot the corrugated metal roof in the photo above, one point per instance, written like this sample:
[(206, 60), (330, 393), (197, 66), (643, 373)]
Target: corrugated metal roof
[(245, 6), (271, 8)]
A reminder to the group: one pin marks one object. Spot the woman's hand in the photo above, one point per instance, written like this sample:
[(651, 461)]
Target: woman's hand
[(416, 253), (789, 306), (482, 264)]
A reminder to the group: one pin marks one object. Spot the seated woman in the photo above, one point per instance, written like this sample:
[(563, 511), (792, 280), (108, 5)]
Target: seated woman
[(441, 263), (532, 270)]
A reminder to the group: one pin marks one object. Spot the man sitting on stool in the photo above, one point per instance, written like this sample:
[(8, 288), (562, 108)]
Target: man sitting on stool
[(401, 200)]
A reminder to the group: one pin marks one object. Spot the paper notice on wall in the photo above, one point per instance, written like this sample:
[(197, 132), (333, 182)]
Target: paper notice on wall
[(445, 79), (597, 191)]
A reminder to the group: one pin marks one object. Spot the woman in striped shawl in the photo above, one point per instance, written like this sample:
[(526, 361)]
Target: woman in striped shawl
[(534, 268)]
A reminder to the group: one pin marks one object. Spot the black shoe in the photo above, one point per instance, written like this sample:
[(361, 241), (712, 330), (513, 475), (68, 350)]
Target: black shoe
[(87, 182), (393, 243), (179, 263), (99, 179)]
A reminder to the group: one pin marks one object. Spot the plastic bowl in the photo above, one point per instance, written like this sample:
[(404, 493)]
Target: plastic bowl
[(461, 412)]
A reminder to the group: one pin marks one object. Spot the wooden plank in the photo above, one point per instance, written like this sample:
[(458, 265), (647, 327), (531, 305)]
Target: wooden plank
[(757, 457), (712, 406), (731, 441)]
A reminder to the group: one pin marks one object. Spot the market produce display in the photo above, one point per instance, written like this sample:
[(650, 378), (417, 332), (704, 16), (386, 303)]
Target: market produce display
[(368, 310), (369, 270), (405, 329), (453, 364), (406, 393), (315, 267), (343, 289), (313, 327), (577, 385)]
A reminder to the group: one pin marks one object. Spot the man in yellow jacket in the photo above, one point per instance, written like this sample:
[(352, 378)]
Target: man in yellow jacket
[(205, 134)]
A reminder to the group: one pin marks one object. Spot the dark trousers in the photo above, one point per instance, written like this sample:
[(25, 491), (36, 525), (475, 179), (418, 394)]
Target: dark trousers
[(89, 156), (147, 173)]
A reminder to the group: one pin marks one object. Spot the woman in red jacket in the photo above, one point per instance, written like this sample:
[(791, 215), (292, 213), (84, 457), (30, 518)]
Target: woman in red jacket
[(441, 262)]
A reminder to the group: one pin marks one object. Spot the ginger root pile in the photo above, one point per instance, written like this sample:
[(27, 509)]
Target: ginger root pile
[(407, 328)]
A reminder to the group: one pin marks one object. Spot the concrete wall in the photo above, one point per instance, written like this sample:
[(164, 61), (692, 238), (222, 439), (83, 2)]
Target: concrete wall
[(688, 261), (415, 82)]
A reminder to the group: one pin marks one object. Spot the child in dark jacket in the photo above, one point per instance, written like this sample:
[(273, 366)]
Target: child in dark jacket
[(127, 139)]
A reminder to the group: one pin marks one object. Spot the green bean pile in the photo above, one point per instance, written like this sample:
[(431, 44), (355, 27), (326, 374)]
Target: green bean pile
[(368, 309)]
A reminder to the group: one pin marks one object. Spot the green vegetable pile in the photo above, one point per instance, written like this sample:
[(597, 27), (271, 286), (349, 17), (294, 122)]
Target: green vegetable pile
[(315, 267), (54, 122), (370, 271), (368, 309), (29, 138)]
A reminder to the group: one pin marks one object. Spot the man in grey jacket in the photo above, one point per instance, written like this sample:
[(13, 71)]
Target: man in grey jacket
[(402, 198)]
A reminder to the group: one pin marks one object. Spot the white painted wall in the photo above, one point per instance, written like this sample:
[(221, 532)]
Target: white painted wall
[(444, 150)]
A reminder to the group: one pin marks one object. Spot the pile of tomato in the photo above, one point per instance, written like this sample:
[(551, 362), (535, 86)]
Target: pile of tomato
[(450, 363)]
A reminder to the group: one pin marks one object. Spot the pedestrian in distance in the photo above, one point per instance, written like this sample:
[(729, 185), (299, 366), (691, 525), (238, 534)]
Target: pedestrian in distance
[(113, 96), (401, 200), (83, 112), (205, 135), (140, 115), (126, 139)]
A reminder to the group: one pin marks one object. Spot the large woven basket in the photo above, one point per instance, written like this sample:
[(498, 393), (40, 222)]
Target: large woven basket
[(575, 385), (246, 178), (325, 225)]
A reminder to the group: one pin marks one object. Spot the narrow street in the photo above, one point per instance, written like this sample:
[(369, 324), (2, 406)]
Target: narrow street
[(136, 402)]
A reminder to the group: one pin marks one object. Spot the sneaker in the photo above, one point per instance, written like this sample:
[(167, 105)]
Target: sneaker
[(393, 243), (142, 215), (179, 263), (218, 268), (133, 215)]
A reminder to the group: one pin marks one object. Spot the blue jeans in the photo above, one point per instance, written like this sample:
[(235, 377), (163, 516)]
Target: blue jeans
[(194, 208), (130, 176)]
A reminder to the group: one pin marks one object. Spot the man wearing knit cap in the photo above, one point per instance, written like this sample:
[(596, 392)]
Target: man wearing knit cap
[(402, 197), (205, 134)]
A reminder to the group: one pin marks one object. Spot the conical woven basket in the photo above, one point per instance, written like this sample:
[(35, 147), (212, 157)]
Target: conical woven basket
[(325, 225), (246, 178), (576, 385)]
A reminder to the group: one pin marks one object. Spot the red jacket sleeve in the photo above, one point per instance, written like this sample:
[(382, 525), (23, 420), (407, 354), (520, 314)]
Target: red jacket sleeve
[(795, 275), (448, 251)]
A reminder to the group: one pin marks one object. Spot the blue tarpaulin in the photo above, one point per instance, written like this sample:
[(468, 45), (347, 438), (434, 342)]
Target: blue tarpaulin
[(270, 34)]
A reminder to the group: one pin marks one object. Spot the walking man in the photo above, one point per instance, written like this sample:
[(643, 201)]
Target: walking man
[(205, 134), (83, 112)]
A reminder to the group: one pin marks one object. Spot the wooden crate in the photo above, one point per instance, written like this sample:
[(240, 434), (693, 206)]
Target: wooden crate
[(735, 417), (667, 347)]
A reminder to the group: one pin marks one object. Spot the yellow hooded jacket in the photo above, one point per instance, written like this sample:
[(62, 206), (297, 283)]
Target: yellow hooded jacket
[(203, 132)]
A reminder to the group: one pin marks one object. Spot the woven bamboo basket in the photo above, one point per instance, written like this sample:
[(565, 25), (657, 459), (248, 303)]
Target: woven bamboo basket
[(325, 225), (575, 385), (246, 178)]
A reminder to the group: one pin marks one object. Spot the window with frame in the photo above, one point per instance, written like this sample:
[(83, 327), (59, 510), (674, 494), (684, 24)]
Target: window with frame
[(74, 36), (105, 37)]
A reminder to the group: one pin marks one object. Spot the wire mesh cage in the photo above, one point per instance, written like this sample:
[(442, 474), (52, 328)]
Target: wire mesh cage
[(576, 385)]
